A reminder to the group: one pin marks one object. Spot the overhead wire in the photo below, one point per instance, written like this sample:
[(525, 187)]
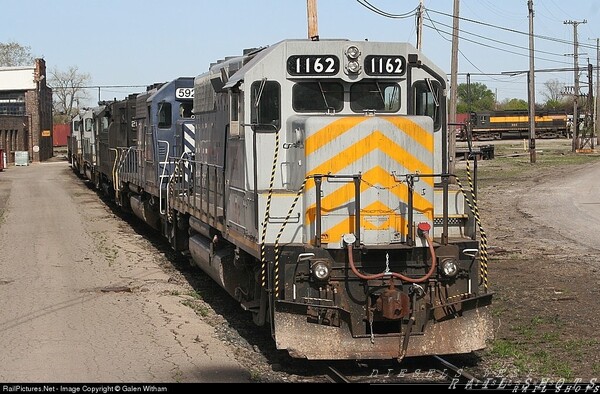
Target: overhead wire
[(494, 40), (379, 11), (554, 39), (442, 32)]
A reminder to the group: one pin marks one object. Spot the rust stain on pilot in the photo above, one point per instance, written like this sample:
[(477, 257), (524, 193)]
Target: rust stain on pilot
[(393, 304)]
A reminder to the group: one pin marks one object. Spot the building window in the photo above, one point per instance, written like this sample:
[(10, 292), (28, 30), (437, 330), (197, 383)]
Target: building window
[(12, 103)]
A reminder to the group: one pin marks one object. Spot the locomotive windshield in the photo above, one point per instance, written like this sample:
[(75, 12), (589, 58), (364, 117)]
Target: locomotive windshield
[(375, 96), (318, 96), (329, 96)]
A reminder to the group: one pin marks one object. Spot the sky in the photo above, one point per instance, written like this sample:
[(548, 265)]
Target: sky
[(140, 42)]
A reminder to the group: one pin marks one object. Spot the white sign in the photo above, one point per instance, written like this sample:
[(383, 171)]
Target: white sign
[(184, 93)]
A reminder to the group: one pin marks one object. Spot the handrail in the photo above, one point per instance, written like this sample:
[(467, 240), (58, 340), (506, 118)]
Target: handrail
[(162, 176)]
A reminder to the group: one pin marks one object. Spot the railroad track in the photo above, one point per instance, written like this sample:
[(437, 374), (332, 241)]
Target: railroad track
[(335, 376), (459, 373), (435, 370)]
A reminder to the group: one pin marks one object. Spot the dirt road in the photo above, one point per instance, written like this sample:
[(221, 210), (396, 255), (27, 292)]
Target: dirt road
[(542, 223), (83, 297)]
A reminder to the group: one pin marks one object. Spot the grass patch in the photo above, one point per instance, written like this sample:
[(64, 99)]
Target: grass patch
[(200, 310), (538, 349), (194, 294), (255, 376), (537, 362), (505, 348)]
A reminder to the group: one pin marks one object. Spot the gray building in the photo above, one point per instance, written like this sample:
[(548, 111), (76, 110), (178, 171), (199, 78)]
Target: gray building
[(26, 112)]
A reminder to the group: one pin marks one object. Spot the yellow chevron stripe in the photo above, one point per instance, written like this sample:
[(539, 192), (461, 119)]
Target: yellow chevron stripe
[(413, 130), (375, 176), (330, 132), (396, 222), (376, 140)]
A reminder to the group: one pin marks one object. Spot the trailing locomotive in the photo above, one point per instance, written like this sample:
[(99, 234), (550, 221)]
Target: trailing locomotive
[(488, 125), (311, 182)]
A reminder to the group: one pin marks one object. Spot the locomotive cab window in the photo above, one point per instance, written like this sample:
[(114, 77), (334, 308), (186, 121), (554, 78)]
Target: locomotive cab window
[(103, 124), (318, 96), (234, 114), (88, 124), (427, 101), (266, 108), (375, 96), (185, 110), (164, 115)]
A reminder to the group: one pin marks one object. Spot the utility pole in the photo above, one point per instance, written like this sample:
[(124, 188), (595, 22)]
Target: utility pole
[(590, 106), (597, 98), (313, 26), (453, 92), (575, 144), (420, 26), (596, 102), (531, 95)]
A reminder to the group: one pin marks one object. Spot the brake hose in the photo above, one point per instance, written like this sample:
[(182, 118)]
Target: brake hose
[(425, 231)]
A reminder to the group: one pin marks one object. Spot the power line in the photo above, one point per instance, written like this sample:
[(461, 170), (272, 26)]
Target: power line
[(376, 10), (490, 46), (496, 41), (512, 30)]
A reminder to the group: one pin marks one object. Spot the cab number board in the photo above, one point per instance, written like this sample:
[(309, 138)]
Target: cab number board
[(385, 65), (313, 65), (184, 93)]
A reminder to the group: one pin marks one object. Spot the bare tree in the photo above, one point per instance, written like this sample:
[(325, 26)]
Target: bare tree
[(68, 88), (14, 54), (553, 89)]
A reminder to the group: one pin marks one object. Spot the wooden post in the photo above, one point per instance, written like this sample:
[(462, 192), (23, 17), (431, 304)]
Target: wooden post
[(531, 81), (453, 93), (313, 26)]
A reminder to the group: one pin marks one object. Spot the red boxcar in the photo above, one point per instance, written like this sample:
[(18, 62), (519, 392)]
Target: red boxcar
[(60, 133)]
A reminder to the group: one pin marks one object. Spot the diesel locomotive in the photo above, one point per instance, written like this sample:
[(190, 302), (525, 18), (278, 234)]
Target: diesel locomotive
[(310, 180)]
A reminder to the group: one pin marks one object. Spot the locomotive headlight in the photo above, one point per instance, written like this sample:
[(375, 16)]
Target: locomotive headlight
[(321, 270), (353, 52), (353, 67), (449, 267)]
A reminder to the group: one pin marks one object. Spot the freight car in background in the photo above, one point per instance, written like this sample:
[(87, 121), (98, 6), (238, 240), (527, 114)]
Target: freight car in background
[(496, 125)]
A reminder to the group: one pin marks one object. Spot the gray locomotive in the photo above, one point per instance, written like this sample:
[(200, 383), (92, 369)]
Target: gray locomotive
[(310, 180)]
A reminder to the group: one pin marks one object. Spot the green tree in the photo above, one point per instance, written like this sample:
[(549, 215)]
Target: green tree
[(476, 97), (514, 104), (14, 54)]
